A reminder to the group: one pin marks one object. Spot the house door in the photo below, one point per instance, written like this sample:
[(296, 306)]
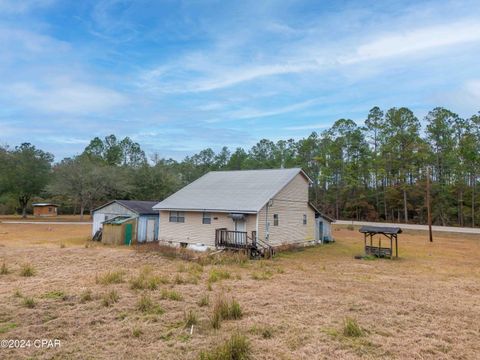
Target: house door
[(128, 234), (150, 230), (240, 225), (320, 231)]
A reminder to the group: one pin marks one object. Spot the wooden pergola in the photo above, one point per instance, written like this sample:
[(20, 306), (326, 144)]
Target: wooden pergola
[(390, 233)]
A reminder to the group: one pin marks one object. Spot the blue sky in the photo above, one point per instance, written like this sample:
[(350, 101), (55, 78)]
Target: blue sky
[(180, 76)]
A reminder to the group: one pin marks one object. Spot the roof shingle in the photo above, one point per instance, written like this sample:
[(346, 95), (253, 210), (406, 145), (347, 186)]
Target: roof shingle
[(245, 191)]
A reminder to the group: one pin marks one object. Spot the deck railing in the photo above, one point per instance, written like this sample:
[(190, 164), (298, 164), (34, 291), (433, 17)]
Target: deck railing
[(231, 239)]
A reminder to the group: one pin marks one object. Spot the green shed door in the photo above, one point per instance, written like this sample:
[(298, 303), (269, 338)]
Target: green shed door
[(128, 234)]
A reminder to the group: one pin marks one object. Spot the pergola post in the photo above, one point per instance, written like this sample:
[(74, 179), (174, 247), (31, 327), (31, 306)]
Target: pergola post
[(396, 246)]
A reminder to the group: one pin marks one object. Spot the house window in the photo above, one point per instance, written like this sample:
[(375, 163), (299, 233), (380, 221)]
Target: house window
[(177, 216), (50, 209), (304, 219), (275, 219), (207, 218)]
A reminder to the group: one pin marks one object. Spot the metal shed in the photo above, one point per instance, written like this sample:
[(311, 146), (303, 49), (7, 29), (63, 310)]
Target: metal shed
[(146, 219)]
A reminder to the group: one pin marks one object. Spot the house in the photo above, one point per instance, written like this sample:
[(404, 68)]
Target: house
[(44, 209), (145, 223), (244, 209)]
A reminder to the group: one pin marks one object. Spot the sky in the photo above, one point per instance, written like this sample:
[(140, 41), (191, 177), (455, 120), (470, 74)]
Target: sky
[(180, 76)]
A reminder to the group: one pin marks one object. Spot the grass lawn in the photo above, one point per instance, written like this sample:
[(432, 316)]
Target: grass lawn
[(107, 302)]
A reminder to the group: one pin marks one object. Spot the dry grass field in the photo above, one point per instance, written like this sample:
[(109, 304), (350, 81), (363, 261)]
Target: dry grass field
[(120, 303), (59, 218)]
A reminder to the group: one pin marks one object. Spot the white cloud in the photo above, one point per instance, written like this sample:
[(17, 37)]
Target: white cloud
[(258, 113), (415, 41), (216, 69), (64, 96)]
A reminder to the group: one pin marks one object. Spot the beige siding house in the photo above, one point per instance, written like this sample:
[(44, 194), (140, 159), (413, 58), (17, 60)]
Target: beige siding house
[(242, 208)]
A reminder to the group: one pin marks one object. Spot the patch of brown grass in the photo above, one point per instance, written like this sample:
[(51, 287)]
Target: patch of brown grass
[(423, 305)]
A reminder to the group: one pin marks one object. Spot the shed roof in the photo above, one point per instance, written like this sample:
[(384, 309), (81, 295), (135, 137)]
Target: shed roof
[(380, 230), (137, 206), (325, 216), (118, 220), (244, 191), (44, 204)]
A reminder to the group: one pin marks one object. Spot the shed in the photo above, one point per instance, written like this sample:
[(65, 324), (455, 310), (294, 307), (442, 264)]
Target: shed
[(323, 226), (44, 209), (146, 219), (121, 230)]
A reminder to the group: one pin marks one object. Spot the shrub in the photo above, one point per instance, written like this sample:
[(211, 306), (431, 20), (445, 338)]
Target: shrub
[(17, 294), (225, 258), (235, 348), (265, 332), (223, 310), (195, 269), (235, 311), (204, 301), (217, 275), (4, 269), (110, 298), (351, 328), (62, 245), (215, 320), (145, 280), (27, 270), (86, 295), (171, 295), (5, 327), (110, 277), (181, 268), (179, 280), (168, 251), (29, 302), (190, 318), (55, 294), (262, 275), (146, 305), (136, 332)]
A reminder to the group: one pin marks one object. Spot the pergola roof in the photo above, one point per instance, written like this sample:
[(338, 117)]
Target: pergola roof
[(380, 230)]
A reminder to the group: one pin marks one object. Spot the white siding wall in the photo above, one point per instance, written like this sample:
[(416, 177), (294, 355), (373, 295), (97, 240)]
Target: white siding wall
[(108, 212), (327, 230), (291, 203), (192, 231), (142, 227)]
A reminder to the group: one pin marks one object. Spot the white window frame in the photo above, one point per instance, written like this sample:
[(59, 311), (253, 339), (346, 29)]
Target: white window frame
[(206, 218), (176, 216)]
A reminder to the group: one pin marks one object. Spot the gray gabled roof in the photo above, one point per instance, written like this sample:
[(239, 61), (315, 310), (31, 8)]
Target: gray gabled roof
[(380, 230), (323, 215), (244, 191), (137, 206)]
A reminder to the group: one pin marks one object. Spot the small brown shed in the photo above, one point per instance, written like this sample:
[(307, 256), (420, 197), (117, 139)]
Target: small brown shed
[(120, 230), (44, 209)]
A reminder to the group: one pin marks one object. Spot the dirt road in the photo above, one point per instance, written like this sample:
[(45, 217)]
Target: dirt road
[(450, 229)]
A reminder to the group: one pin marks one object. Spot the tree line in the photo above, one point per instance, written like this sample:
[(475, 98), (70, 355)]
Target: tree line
[(375, 171)]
